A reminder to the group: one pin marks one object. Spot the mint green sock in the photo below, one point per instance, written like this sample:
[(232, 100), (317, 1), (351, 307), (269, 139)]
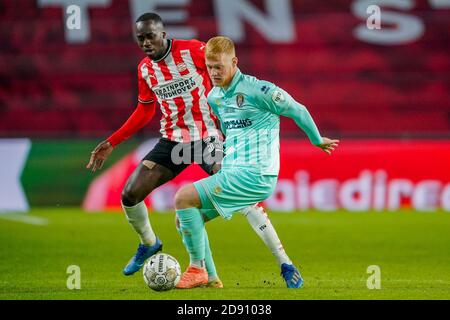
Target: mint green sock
[(209, 214), (193, 231), (209, 262)]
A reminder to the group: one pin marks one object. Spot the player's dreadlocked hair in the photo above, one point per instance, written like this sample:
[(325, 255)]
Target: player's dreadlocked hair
[(218, 45), (150, 16)]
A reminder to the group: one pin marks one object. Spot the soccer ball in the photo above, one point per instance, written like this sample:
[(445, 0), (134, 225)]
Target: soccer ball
[(162, 272)]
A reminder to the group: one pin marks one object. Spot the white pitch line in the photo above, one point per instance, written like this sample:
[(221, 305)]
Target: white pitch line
[(25, 218)]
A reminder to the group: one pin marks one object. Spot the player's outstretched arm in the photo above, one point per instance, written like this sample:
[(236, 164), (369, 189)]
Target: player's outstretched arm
[(303, 119), (278, 101), (140, 117)]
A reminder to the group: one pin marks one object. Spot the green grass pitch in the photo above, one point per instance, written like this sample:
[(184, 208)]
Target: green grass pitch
[(334, 250)]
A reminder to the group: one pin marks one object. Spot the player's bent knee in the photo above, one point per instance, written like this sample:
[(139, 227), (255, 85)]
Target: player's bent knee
[(131, 196), (187, 197), (142, 182), (182, 199)]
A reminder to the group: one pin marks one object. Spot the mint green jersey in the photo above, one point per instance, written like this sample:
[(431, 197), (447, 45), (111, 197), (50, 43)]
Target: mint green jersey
[(249, 111)]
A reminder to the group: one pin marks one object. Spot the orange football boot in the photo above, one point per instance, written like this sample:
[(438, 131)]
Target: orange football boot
[(193, 277), (215, 284)]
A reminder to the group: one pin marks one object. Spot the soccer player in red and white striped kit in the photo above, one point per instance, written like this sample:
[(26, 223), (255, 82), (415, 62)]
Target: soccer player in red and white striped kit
[(173, 74)]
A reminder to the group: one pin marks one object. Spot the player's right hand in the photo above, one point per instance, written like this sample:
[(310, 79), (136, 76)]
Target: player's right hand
[(99, 155)]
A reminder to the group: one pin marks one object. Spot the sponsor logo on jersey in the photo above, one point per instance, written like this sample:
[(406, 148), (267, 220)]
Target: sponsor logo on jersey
[(237, 124), (174, 89), (239, 100), (278, 96), (265, 89), (229, 110)]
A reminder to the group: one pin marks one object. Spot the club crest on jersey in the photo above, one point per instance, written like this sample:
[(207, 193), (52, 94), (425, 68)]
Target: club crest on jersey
[(239, 100), (277, 96), (181, 67)]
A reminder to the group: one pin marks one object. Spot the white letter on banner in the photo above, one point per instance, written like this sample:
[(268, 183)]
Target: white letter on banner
[(277, 25), (398, 188), (170, 17), (324, 194), (360, 187), (426, 195)]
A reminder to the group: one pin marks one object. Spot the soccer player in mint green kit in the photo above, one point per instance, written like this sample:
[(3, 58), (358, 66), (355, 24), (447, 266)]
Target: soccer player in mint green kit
[(249, 111)]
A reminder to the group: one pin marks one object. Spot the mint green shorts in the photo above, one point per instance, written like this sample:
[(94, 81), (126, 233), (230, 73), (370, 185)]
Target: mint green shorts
[(232, 190)]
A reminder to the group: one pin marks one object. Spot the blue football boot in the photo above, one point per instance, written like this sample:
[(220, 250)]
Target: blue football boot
[(291, 275), (143, 253)]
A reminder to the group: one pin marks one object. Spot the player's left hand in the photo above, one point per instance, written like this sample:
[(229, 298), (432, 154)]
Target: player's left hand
[(328, 145)]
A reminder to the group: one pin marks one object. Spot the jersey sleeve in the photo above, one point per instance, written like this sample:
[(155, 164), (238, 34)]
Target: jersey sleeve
[(197, 49), (145, 94), (138, 119), (274, 99)]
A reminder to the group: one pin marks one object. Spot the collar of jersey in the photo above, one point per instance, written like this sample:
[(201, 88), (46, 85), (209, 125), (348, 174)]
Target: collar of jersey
[(169, 48), (236, 78)]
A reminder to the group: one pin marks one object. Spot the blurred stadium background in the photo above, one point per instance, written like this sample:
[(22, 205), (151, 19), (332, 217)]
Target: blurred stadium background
[(385, 93)]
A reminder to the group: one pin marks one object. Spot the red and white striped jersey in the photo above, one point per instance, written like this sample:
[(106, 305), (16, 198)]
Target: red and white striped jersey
[(180, 83)]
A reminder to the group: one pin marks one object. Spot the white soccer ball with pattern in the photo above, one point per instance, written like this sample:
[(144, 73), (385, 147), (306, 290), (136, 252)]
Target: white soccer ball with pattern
[(162, 272)]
